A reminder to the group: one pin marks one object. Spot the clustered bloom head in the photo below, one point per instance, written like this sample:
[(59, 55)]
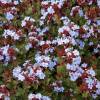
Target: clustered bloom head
[(57, 86), (28, 21), (15, 35), (38, 96), (15, 2), (28, 72), (7, 54)]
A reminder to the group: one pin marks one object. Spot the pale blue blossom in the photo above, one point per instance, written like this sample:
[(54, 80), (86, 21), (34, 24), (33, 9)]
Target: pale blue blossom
[(9, 16)]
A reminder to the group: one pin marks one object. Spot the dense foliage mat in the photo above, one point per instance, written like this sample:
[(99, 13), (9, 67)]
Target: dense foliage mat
[(49, 49)]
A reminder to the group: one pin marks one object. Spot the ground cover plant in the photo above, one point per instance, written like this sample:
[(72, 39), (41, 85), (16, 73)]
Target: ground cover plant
[(49, 49)]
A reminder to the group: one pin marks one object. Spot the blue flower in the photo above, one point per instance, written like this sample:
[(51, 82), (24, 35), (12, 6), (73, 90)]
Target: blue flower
[(9, 16)]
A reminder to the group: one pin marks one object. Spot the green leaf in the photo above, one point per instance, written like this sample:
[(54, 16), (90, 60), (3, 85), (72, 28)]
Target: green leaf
[(85, 94), (20, 92)]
